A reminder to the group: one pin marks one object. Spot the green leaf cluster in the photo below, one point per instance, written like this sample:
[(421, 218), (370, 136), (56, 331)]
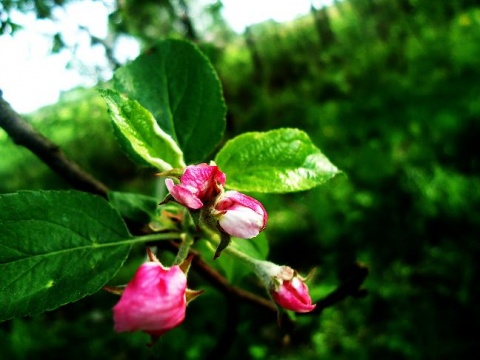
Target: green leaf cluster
[(171, 111)]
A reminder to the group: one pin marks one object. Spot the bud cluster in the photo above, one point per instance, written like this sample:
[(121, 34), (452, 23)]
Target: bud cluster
[(155, 300), (202, 187)]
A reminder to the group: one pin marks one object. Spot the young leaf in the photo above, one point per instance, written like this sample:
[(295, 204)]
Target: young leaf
[(139, 134), (277, 161), (178, 85), (56, 247)]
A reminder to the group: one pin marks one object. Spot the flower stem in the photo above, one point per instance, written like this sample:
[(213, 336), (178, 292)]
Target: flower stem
[(184, 248), (237, 254), (155, 237)]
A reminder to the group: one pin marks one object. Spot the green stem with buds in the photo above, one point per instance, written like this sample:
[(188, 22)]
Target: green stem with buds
[(237, 254), (184, 248), (263, 269)]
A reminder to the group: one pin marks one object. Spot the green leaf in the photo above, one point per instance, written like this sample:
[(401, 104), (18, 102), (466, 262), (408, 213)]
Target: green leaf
[(277, 161), (56, 247), (134, 207), (139, 134), (179, 86), (233, 269)]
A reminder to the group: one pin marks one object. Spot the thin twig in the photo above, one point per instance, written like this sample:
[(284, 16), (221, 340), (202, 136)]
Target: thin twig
[(107, 46), (222, 284)]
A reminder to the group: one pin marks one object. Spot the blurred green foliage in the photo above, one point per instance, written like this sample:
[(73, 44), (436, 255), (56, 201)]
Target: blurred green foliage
[(390, 91)]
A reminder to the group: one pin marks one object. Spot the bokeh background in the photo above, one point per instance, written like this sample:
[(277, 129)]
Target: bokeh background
[(390, 91)]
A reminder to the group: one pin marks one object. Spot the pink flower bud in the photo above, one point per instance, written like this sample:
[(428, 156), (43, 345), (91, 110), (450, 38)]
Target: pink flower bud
[(198, 184), (240, 215), (290, 292), (154, 301)]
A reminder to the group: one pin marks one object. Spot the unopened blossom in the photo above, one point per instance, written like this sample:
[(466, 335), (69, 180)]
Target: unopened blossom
[(201, 188), (199, 185), (240, 215), (154, 301), (290, 291)]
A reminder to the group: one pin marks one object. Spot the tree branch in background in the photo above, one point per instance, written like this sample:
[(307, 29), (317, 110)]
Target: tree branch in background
[(187, 21), (23, 134), (107, 46), (322, 24), (255, 55), (350, 286)]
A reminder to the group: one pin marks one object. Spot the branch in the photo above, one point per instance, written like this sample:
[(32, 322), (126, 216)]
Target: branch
[(221, 283), (109, 51), (350, 286), (186, 20), (23, 134)]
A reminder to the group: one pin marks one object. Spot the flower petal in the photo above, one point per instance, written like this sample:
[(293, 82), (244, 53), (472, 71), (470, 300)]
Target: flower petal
[(153, 302), (199, 184), (241, 222), (293, 295), (183, 195), (240, 215)]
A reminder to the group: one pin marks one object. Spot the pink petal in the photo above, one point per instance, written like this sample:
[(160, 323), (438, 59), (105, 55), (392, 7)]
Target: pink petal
[(199, 185), (242, 216), (183, 195), (202, 180), (241, 222), (293, 295), (153, 302)]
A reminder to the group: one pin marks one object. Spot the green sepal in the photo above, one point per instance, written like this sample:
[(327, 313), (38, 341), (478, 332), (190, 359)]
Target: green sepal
[(225, 240)]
